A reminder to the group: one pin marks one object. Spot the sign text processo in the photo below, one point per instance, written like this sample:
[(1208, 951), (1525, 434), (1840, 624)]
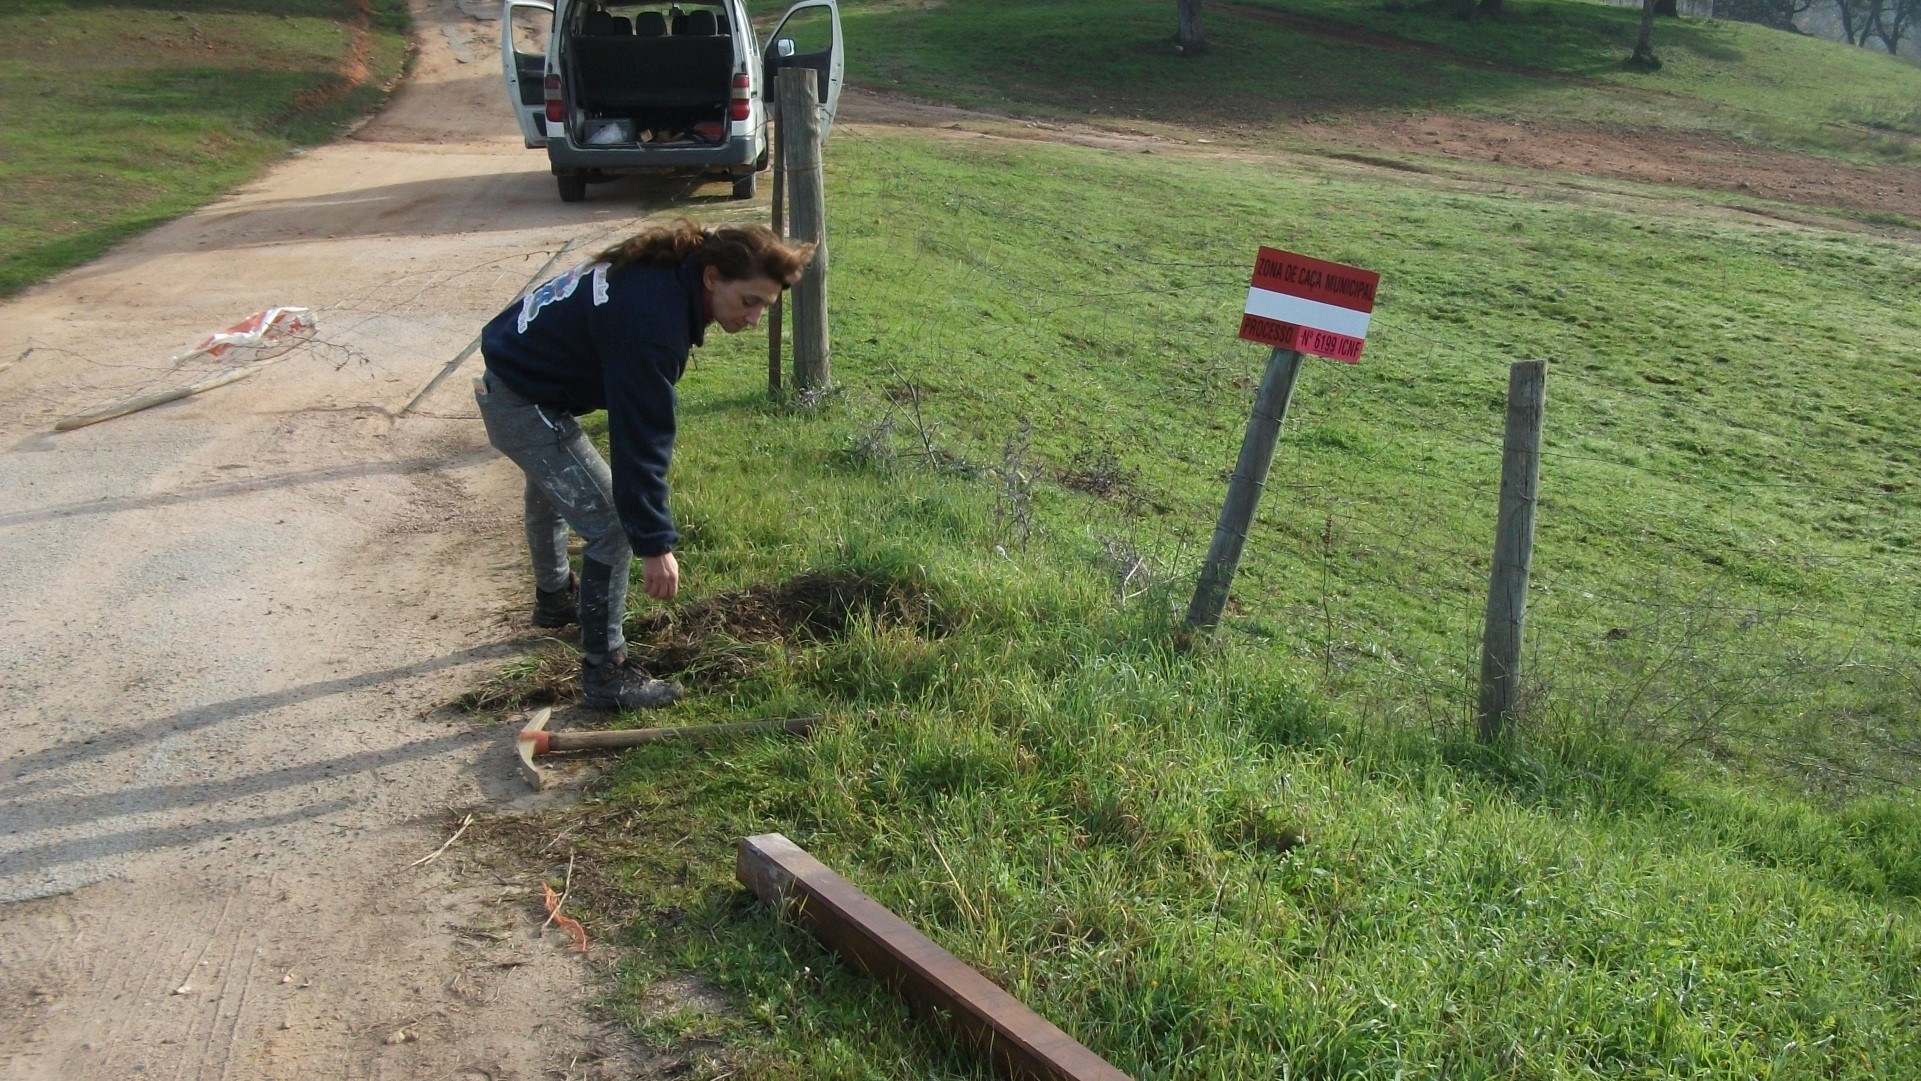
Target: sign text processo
[(1309, 305)]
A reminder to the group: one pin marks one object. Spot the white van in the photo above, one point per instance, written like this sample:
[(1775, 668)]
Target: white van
[(610, 88)]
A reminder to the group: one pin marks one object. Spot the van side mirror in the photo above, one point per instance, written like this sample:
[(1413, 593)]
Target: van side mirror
[(784, 48)]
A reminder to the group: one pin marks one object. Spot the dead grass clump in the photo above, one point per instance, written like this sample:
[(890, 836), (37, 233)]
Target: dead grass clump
[(548, 676), (1101, 473)]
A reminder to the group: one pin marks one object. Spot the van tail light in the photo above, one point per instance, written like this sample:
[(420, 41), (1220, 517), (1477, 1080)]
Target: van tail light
[(738, 108), (556, 109)]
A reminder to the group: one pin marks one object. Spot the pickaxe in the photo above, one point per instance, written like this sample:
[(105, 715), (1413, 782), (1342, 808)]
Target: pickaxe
[(535, 741)]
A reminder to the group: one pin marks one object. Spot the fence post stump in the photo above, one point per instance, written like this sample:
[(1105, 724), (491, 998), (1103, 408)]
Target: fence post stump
[(780, 229), (800, 116), (1513, 548), (1244, 489)]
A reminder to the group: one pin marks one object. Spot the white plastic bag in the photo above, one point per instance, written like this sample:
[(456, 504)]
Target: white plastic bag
[(236, 352), (260, 336)]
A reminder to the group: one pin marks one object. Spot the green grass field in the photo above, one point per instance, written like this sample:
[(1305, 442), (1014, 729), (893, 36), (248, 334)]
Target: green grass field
[(123, 117), (1546, 59), (1280, 855)]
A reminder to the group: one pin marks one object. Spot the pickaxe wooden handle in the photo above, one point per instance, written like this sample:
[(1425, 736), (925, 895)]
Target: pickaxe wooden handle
[(535, 741)]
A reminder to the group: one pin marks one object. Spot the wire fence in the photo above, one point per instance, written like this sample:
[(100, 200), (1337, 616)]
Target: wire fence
[(1706, 584), (1713, 587)]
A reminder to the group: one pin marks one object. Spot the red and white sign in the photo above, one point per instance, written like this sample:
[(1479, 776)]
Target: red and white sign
[(1309, 305)]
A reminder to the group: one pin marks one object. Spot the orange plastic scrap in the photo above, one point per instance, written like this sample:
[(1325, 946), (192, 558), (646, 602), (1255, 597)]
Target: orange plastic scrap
[(566, 923)]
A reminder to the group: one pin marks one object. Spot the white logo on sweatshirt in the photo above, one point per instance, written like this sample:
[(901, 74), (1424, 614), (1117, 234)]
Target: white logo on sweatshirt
[(560, 289)]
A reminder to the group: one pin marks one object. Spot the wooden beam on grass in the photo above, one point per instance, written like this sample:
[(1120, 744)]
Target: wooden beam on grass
[(1023, 1044)]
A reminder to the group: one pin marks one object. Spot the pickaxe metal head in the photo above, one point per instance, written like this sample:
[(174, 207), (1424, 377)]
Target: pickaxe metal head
[(533, 741)]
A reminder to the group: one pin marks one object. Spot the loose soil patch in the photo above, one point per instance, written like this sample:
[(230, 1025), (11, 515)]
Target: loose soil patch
[(578, 852), (719, 640), (1706, 162), (355, 67), (701, 640), (1696, 161)]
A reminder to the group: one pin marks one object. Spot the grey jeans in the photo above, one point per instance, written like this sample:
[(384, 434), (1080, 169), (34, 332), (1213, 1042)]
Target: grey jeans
[(568, 484)]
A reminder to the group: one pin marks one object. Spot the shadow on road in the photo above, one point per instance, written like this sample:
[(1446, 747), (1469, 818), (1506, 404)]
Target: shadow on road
[(39, 764), (246, 486), (476, 203)]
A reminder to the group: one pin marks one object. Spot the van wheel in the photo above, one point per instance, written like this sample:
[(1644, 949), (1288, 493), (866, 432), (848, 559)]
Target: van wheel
[(573, 187), (745, 187)]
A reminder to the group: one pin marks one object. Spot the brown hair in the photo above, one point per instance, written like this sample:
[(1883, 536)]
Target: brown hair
[(739, 252)]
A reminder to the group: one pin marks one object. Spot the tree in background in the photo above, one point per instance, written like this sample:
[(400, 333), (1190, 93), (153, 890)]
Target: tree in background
[(1644, 57), (1857, 19), (1892, 21), (1777, 14), (1189, 38)]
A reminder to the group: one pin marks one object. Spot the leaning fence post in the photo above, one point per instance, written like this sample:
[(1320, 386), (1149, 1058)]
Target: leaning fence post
[(1513, 548), (1244, 489), (780, 229), (800, 113)]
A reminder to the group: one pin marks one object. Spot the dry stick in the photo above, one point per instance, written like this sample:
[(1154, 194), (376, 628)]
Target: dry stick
[(435, 854), (475, 344), (148, 401), (958, 891)]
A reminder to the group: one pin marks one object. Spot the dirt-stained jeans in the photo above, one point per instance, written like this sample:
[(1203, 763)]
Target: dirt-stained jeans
[(568, 484)]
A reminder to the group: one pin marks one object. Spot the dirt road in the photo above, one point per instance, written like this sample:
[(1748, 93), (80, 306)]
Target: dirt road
[(228, 622)]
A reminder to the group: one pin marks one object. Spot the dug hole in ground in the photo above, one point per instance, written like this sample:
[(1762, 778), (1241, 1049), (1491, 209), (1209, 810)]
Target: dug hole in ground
[(232, 625)]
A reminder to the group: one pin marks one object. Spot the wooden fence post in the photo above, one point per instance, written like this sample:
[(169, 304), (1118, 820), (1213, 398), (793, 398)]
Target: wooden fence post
[(780, 229), (1244, 489), (800, 114), (1513, 548)]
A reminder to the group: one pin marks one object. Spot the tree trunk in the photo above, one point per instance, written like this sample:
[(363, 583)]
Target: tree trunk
[(1846, 12), (1189, 40), (1644, 57)]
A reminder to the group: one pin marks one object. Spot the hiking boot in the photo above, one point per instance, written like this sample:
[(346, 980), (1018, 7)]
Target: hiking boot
[(559, 608), (620, 684)]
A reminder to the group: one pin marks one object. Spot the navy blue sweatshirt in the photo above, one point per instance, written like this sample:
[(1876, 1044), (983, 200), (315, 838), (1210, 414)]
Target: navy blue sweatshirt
[(594, 339)]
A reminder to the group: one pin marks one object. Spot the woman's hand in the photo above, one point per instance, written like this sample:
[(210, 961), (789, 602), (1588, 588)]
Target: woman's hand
[(660, 576)]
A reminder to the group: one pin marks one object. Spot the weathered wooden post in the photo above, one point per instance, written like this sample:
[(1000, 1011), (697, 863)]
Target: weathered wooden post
[(800, 119), (780, 229), (1295, 305), (1513, 548), (1244, 488)]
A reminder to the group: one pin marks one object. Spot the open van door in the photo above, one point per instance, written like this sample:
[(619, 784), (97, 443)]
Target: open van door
[(525, 28), (808, 37)]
